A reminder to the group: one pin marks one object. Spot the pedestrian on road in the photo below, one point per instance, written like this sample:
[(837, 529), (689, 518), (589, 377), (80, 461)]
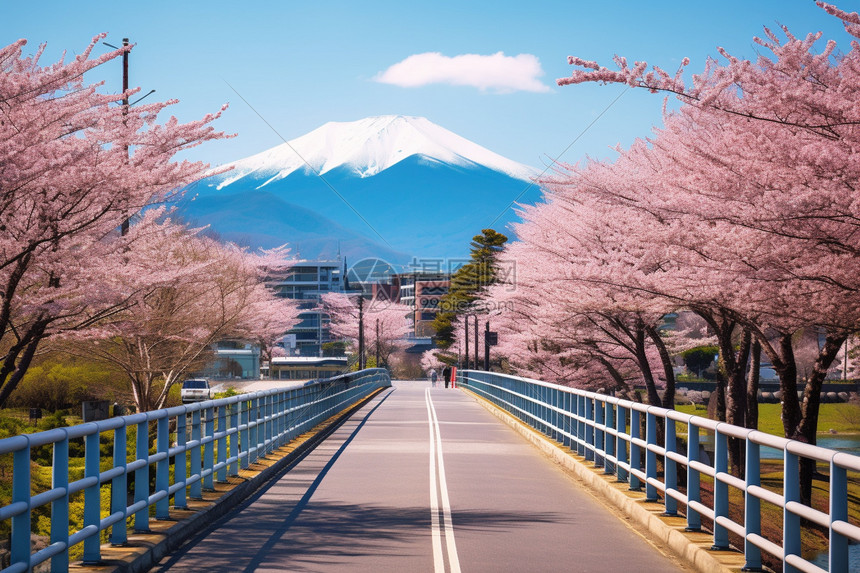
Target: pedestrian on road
[(433, 377), (446, 374)]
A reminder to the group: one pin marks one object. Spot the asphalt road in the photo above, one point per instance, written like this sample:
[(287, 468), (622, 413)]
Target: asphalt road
[(391, 490)]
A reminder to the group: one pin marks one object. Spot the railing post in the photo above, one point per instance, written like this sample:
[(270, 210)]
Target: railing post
[(60, 507), (270, 424), (253, 428), (303, 407), (261, 428), (209, 449), (599, 443), (752, 507), (515, 386), (300, 406), (20, 542), (589, 429), (838, 558), (141, 477), (279, 408), (221, 476), (635, 454), (245, 435), (195, 491), (609, 442), (694, 520), (568, 420), (234, 438), (280, 429), (547, 413), (670, 468), (288, 414), (580, 425), (721, 489), (92, 498), (790, 521), (180, 459), (119, 487), (162, 468), (288, 417), (650, 455), (621, 443)]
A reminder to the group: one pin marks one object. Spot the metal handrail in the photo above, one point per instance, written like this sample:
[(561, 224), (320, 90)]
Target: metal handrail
[(256, 424), (606, 430)]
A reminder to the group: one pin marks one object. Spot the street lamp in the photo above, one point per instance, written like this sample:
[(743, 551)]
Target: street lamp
[(466, 324)]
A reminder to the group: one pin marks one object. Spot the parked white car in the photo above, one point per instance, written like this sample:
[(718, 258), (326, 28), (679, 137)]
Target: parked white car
[(195, 390)]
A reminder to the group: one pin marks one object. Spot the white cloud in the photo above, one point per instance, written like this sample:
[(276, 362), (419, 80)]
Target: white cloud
[(496, 72)]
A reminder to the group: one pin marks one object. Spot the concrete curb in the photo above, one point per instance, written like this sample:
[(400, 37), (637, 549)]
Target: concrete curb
[(692, 547), (145, 550)]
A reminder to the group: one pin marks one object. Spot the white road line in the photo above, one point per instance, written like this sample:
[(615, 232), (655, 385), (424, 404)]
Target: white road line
[(438, 559), (437, 460)]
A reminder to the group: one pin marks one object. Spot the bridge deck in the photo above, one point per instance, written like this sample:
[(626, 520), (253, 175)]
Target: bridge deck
[(362, 502)]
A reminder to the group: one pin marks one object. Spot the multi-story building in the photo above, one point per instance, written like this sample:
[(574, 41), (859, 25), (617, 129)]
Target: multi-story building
[(422, 292), (306, 281)]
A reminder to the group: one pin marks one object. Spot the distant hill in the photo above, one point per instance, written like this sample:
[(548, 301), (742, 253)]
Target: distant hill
[(260, 219)]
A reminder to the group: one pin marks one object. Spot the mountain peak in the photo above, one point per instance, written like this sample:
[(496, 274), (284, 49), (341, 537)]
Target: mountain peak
[(369, 146)]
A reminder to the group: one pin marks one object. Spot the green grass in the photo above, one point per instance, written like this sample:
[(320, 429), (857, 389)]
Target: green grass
[(844, 418)]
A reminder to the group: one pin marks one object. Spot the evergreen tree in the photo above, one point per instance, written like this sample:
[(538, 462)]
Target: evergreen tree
[(468, 282)]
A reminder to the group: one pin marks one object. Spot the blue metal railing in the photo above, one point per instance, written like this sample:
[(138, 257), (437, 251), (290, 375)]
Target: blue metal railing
[(606, 430), (213, 438)]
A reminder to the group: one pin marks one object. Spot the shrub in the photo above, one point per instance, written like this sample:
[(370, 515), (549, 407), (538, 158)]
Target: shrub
[(62, 381)]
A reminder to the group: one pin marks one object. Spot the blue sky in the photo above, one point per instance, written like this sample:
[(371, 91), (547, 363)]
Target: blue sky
[(301, 64)]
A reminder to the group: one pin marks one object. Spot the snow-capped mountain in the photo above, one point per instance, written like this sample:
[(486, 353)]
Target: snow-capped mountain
[(369, 146), (395, 187)]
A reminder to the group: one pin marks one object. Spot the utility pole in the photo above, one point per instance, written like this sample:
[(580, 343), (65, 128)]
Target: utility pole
[(466, 338), (360, 332), (125, 221), (477, 358), (377, 343), (487, 347), (125, 105)]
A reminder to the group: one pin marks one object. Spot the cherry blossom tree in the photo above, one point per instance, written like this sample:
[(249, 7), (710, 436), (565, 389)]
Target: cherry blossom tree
[(385, 323), (800, 87), (847, 362), (74, 164), (207, 292), (581, 316), (758, 168)]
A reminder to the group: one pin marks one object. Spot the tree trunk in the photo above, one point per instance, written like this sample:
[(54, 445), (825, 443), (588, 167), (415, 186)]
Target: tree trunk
[(13, 369), (752, 386), (666, 360), (736, 405), (801, 422), (731, 373), (786, 368), (808, 427), (645, 367)]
